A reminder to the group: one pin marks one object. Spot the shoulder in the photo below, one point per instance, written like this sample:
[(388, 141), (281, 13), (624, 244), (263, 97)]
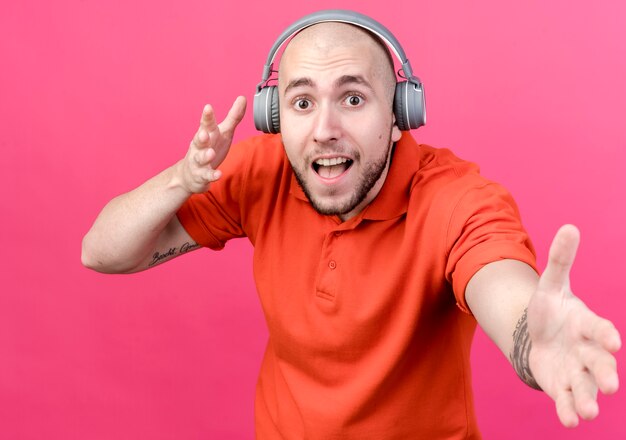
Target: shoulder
[(258, 158), (260, 142), (441, 164), (437, 172), (448, 186), (265, 148)]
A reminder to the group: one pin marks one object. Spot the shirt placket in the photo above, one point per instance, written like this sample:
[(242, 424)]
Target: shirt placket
[(329, 269)]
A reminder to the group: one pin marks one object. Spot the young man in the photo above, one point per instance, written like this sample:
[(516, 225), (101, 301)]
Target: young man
[(374, 258)]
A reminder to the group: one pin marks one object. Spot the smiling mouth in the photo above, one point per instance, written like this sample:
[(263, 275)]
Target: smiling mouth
[(331, 168)]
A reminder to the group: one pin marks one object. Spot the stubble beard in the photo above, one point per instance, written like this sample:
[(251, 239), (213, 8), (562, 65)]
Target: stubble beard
[(371, 174)]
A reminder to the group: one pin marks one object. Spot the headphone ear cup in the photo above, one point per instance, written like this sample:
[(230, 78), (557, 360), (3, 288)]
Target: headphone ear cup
[(409, 106), (399, 106), (266, 110)]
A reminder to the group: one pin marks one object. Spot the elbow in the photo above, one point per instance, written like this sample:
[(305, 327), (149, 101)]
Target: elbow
[(92, 259), (97, 259), (88, 256)]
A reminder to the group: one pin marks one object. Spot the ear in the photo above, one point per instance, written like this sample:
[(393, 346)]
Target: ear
[(396, 134)]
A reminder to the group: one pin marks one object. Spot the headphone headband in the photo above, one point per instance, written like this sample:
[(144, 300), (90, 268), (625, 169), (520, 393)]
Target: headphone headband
[(341, 16), (408, 102)]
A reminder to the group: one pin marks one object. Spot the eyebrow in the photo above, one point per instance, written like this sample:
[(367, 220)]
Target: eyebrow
[(299, 82), (340, 82), (353, 79)]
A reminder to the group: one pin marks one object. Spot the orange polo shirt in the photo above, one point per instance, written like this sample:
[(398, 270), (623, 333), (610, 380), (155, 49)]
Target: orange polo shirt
[(369, 331)]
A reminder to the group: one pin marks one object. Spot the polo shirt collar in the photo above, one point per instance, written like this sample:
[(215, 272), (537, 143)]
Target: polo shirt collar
[(392, 200)]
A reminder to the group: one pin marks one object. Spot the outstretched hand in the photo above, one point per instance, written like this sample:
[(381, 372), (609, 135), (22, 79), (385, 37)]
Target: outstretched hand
[(209, 147), (572, 348)]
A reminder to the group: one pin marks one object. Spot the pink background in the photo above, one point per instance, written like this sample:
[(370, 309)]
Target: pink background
[(95, 97)]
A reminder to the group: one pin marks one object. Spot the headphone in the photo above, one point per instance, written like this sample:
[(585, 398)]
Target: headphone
[(408, 102)]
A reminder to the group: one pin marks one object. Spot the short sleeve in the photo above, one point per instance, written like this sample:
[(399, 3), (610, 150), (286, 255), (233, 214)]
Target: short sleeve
[(214, 217), (485, 226)]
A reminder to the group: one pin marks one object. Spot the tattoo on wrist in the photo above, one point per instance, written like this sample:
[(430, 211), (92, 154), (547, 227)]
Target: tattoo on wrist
[(521, 352), (159, 257)]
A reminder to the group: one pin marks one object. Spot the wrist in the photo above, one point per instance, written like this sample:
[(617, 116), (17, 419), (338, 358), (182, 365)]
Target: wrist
[(177, 179)]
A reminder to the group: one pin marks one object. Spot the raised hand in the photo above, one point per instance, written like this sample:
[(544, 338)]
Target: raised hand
[(572, 348), (209, 147)]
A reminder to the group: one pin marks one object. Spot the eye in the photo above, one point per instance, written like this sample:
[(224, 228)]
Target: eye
[(354, 100), (302, 103)]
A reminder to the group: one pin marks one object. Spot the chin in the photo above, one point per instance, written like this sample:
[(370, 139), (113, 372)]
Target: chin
[(333, 206)]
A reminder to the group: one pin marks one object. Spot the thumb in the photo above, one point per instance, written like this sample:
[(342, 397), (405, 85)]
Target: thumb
[(560, 259), (234, 116)]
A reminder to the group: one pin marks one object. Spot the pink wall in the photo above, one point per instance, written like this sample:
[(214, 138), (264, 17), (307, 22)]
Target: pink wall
[(95, 97)]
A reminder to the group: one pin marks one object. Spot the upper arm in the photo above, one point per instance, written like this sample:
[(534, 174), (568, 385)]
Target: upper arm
[(497, 295)]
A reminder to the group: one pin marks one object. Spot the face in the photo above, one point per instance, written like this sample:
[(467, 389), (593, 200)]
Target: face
[(336, 120)]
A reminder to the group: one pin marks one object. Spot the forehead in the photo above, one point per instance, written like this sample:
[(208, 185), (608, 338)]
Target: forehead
[(331, 47)]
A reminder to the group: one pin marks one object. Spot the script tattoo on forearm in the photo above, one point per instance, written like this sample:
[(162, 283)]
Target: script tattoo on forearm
[(521, 351), (159, 257)]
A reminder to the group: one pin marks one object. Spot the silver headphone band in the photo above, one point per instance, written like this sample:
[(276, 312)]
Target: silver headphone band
[(341, 16)]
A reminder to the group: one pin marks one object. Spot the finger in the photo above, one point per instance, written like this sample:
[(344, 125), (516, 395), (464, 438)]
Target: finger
[(584, 393), (207, 121), (210, 175), (200, 139), (560, 259), (603, 332), (602, 368), (565, 409), (204, 157), (234, 116)]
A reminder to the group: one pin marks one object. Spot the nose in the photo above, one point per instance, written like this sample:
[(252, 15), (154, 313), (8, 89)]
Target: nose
[(327, 126)]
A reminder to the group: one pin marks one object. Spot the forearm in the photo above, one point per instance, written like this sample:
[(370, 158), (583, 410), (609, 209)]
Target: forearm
[(139, 229), (498, 296), (557, 343), (520, 352), (129, 227)]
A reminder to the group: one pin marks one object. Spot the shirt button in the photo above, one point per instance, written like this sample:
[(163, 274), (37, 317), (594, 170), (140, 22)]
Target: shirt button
[(338, 233), (332, 264)]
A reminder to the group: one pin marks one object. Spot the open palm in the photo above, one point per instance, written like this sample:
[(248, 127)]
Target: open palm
[(572, 348)]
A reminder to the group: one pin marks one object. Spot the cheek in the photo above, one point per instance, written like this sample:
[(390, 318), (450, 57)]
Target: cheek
[(295, 131), (291, 127), (291, 146)]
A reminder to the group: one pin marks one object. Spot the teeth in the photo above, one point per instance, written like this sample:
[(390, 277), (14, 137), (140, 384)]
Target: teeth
[(331, 162)]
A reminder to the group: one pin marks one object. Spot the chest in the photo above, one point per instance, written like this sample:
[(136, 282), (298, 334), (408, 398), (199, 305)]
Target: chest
[(338, 287)]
